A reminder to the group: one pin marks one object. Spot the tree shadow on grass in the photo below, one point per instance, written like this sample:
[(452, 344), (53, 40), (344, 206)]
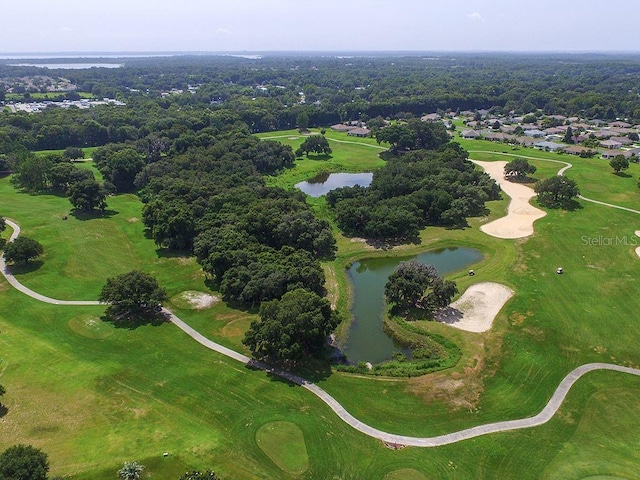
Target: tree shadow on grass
[(170, 253), (22, 268), (133, 322), (415, 314), (622, 174), (243, 307), (293, 375), (389, 243), (572, 205), (3, 410), (324, 157), (83, 216)]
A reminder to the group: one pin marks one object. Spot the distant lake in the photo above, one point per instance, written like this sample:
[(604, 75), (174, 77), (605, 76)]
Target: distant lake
[(324, 183), (67, 66)]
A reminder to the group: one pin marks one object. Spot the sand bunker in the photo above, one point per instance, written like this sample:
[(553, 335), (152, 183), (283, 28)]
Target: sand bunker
[(520, 215), (476, 309)]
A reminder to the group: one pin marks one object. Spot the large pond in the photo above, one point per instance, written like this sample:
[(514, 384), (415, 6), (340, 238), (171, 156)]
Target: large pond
[(367, 341), (325, 182)]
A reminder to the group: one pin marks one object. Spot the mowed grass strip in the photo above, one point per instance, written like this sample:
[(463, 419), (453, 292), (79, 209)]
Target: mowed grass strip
[(283, 442)]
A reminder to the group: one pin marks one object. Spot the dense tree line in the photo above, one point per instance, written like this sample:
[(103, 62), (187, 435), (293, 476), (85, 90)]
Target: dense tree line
[(256, 242), (415, 189), (265, 94)]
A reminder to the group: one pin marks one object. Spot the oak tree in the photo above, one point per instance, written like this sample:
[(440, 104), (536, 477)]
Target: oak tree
[(22, 250), (132, 295)]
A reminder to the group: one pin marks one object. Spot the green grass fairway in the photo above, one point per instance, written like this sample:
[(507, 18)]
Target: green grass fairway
[(405, 474), (94, 396)]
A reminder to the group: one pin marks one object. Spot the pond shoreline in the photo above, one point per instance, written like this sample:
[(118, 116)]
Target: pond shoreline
[(361, 336)]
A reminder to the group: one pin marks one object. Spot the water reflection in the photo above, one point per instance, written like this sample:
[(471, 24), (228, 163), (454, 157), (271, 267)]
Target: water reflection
[(323, 183)]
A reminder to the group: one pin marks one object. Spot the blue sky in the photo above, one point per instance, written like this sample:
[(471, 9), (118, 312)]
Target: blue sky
[(327, 25)]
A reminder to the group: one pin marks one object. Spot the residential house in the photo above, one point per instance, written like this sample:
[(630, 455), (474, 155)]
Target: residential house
[(622, 140), (619, 124), (611, 144), (431, 117), (341, 127), (359, 132), (549, 146), (576, 149), (470, 134), (634, 152), (556, 131), (609, 154), (602, 134), (534, 133)]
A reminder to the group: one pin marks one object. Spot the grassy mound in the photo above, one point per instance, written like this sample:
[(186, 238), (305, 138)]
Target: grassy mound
[(283, 443), (90, 326)]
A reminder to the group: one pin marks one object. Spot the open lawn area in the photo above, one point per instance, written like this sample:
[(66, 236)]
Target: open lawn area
[(93, 396)]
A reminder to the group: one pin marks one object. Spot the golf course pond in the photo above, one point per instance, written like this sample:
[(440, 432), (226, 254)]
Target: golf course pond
[(325, 182), (367, 341)]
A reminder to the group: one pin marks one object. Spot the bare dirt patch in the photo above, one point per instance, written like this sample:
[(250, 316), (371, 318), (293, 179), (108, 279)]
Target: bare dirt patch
[(331, 284), (192, 299), (460, 390)]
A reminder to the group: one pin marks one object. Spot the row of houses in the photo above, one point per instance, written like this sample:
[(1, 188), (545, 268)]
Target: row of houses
[(609, 148)]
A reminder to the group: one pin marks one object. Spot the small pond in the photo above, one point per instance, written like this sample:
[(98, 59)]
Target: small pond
[(367, 341), (325, 182)]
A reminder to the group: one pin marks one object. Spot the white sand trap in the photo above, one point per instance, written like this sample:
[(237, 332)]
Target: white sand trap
[(518, 223), (198, 300), (476, 309), (638, 251), (637, 233)]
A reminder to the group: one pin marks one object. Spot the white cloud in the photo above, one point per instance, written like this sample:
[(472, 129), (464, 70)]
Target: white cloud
[(475, 16), (223, 32)]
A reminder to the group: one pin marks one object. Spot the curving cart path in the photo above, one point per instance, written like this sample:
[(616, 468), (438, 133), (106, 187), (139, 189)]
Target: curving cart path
[(566, 167), (398, 440)]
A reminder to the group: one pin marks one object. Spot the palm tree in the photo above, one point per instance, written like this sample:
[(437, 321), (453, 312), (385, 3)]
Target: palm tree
[(130, 471)]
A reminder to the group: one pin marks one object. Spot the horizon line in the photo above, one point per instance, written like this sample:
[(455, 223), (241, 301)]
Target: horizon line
[(304, 51)]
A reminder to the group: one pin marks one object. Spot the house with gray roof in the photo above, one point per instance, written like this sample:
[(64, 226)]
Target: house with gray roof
[(534, 132), (549, 146), (359, 132), (611, 144), (470, 134)]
